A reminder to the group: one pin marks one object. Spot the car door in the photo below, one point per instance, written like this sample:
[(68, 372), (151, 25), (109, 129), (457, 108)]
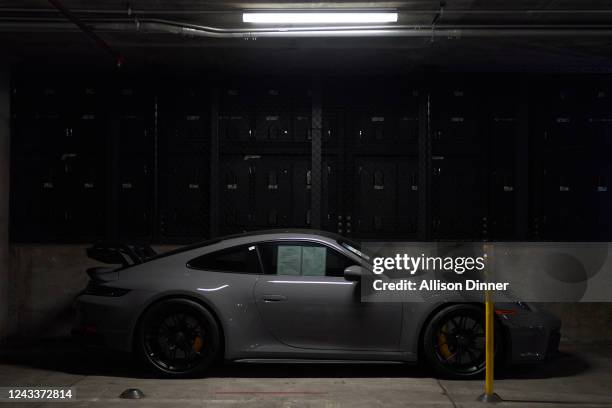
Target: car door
[(305, 301)]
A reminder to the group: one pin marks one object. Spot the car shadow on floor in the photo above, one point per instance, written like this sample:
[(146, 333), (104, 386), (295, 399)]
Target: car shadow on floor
[(64, 355)]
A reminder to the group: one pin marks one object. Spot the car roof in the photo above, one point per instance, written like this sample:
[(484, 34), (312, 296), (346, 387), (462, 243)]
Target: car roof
[(297, 232)]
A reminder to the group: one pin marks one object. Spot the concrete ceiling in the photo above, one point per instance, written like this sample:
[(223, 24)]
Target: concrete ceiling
[(34, 33)]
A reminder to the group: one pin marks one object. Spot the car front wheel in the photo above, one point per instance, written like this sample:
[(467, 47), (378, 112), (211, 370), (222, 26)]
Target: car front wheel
[(454, 342)]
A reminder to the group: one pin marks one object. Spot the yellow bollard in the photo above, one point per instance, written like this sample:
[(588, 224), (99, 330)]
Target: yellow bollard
[(489, 348), (489, 394)]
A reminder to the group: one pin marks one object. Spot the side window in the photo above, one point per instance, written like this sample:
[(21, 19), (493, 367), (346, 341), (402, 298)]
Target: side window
[(239, 259), (302, 259)]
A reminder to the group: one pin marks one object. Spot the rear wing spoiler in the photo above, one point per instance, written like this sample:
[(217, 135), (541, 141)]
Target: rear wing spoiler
[(120, 254)]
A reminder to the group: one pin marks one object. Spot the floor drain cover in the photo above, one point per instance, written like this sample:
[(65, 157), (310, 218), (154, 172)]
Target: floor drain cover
[(132, 393)]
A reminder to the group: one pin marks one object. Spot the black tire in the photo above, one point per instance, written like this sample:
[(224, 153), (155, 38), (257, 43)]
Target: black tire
[(177, 338), (454, 342)]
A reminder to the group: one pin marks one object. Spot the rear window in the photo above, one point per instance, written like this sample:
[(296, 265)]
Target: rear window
[(239, 259)]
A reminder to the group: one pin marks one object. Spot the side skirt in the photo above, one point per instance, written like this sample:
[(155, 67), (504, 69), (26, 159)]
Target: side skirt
[(313, 361)]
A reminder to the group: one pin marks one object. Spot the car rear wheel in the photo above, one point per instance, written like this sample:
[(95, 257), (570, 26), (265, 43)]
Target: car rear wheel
[(178, 338), (454, 342)]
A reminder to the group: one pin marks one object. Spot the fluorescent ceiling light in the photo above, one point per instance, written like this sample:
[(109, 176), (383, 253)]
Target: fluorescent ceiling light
[(318, 18)]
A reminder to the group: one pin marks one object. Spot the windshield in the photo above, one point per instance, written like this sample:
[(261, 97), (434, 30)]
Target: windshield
[(355, 248)]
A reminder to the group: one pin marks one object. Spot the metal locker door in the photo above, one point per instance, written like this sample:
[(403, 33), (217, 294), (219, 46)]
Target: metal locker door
[(408, 128), (84, 194), (379, 128), (561, 192), (407, 193), (236, 120), (598, 118), (134, 137), (459, 197), (601, 225), (191, 131), (235, 125), (330, 131), (329, 198), (186, 212), (302, 127), (273, 192), (373, 127), (50, 108), (502, 202), (135, 115), (236, 194), (50, 206), (455, 128), (377, 181), (502, 137), (134, 196), (87, 131), (563, 118), (87, 125), (301, 185), (272, 125)]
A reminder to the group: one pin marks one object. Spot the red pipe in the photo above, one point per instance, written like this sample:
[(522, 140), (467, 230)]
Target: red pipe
[(88, 31)]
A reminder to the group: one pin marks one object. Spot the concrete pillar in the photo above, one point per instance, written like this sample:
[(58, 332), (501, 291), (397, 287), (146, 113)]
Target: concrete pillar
[(5, 120)]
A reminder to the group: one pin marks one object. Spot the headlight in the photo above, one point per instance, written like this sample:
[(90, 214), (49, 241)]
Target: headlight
[(95, 289)]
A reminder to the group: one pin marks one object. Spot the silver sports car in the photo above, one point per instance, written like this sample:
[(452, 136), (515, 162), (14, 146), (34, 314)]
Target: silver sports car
[(286, 295)]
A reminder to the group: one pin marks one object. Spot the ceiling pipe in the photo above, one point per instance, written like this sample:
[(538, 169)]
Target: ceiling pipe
[(439, 31), (190, 30)]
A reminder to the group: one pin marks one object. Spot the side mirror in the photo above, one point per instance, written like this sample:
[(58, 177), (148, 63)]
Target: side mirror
[(353, 273)]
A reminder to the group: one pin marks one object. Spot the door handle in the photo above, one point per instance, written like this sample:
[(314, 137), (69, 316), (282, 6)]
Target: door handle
[(274, 298)]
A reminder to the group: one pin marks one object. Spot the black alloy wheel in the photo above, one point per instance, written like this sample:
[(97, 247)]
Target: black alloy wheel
[(454, 342), (178, 338)]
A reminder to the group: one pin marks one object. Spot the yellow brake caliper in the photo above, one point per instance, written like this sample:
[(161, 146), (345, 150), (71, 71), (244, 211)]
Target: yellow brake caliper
[(443, 344), (197, 344)]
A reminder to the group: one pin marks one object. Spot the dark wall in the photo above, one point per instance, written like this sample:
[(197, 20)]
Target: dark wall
[(4, 194), (434, 157)]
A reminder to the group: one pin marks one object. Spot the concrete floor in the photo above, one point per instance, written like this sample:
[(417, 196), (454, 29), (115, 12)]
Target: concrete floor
[(579, 376)]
